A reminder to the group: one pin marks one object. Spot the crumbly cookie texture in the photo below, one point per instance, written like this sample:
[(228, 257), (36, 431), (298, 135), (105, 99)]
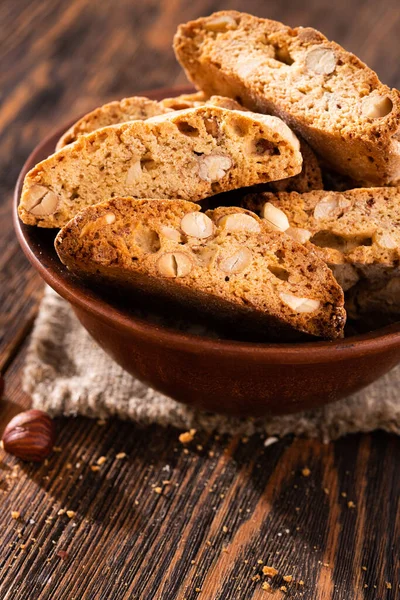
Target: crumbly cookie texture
[(356, 232), (225, 262), (332, 99), (189, 154)]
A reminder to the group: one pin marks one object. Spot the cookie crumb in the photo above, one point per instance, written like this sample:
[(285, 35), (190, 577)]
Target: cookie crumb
[(301, 582), (283, 588), (15, 514), (306, 472), (71, 514), (351, 504), (158, 490), (94, 468), (364, 568), (343, 494), (101, 460), (187, 436), (270, 571), (62, 511), (288, 578), (266, 586), (388, 585), (120, 455)]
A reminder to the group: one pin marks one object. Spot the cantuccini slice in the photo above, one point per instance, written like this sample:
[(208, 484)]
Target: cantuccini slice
[(138, 108), (357, 232), (189, 154), (325, 93), (225, 263)]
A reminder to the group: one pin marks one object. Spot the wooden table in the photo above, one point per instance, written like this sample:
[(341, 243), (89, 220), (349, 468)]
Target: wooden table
[(229, 504)]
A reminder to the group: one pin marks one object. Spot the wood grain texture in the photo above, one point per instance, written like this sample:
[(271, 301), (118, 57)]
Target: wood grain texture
[(229, 503)]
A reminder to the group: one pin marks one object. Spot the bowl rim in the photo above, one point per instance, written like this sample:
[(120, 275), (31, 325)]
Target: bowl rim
[(307, 352)]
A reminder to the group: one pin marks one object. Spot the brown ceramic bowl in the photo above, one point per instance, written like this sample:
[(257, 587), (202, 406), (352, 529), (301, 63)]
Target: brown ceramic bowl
[(217, 375)]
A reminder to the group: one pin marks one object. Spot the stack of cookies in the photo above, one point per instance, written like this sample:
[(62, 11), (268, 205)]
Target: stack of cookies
[(293, 146)]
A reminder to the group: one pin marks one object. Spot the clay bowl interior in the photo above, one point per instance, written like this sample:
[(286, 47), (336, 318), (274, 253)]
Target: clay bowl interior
[(226, 376)]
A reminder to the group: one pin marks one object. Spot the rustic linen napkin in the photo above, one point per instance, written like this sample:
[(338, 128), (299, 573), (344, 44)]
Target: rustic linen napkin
[(66, 373)]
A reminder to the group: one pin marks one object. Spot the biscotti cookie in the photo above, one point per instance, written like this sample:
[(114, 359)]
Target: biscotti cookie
[(128, 109), (357, 232), (226, 263), (188, 154), (325, 93), (138, 108)]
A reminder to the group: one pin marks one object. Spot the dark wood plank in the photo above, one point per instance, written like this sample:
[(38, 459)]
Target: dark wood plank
[(233, 502)]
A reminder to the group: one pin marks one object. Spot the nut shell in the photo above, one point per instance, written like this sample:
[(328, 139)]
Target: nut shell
[(30, 436)]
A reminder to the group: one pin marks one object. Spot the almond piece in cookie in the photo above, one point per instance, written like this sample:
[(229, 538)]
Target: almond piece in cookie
[(172, 155), (329, 97), (226, 264)]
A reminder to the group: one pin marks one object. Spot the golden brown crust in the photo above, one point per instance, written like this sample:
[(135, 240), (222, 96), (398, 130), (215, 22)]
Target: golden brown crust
[(326, 94), (190, 154), (234, 269)]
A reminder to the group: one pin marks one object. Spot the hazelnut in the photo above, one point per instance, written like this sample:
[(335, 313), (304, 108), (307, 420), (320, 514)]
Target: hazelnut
[(134, 172), (174, 264), (275, 217), (376, 107), (213, 167), (41, 201), (299, 234), (30, 436), (321, 60), (237, 262), (300, 305), (197, 224), (170, 233), (239, 222), (331, 205)]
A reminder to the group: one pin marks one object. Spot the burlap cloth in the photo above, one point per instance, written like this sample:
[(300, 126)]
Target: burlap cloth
[(66, 373)]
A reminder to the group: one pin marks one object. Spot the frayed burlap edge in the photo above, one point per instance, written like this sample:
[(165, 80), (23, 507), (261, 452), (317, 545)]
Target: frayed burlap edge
[(66, 373)]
